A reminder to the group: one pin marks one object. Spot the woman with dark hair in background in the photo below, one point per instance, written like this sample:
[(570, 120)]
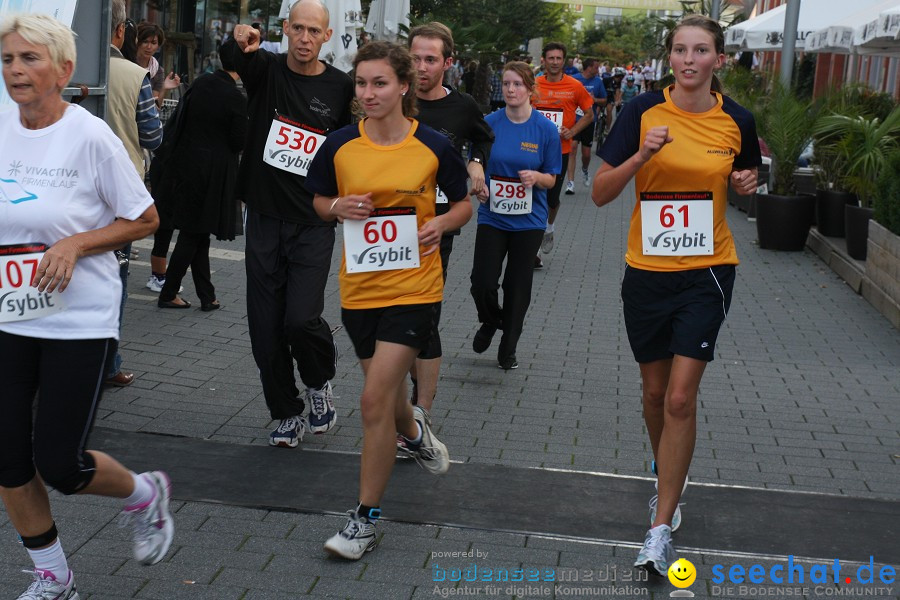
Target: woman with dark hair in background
[(195, 188), (150, 38)]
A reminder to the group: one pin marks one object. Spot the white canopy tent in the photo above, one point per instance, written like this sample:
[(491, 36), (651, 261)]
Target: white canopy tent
[(766, 32), (881, 34), (838, 37)]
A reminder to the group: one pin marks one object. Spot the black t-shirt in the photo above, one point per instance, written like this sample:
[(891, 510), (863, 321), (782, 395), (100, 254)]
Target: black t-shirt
[(320, 103), (458, 117)]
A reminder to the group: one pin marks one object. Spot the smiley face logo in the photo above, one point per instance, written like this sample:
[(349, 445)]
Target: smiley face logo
[(682, 573)]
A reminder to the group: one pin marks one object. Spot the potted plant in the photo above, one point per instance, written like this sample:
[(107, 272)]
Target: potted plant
[(783, 218), (829, 168), (864, 143)]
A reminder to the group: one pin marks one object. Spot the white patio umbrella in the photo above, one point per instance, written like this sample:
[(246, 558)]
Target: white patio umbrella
[(838, 36), (766, 32)]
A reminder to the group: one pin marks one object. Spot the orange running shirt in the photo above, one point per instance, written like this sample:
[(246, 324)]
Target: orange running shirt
[(683, 187), (566, 95)]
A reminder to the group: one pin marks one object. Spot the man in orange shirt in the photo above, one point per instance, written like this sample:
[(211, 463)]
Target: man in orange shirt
[(558, 96)]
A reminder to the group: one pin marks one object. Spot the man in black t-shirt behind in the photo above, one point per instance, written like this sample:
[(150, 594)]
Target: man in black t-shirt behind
[(457, 116), (295, 100)]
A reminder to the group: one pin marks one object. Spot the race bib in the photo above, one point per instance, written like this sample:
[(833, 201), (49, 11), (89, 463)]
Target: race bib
[(440, 197), (677, 223), (291, 146), (555, 116), (387, 241), (18, 300), (509, 196)]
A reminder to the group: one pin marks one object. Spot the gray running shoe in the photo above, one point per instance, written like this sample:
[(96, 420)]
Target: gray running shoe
[(658, 552), (46, 587), (355, 539), (289, 432), (547, 243), (322, 416), (430, 453), (153, 525)]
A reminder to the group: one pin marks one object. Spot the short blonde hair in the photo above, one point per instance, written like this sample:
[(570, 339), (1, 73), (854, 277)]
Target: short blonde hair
[(42, 30)]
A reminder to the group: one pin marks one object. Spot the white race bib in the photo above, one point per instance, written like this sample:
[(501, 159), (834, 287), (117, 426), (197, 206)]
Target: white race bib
[(509, 196), (18, 300), (440, 197), (555, 116), (291, 146), (677, 223), (387, 241)]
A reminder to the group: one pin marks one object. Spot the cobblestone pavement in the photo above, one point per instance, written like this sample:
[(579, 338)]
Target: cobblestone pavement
[(804, 395)]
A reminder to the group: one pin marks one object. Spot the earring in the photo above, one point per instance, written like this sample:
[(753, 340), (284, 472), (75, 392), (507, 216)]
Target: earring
[(402, 93)]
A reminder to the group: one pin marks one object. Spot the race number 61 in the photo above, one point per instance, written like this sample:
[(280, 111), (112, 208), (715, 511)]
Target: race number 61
[(667, 215), (284, 136)]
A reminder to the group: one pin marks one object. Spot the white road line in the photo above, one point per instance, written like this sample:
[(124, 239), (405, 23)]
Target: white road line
[(213, 252)]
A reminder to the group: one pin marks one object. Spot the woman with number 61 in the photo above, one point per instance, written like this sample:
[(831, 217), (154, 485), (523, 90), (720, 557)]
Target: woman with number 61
[(513, 213)]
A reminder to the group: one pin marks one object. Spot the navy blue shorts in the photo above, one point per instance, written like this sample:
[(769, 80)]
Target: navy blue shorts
[(679, 312), (410, 325)]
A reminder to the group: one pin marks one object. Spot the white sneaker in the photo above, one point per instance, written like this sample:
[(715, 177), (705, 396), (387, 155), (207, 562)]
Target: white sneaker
[(322, 416), (676, 517), (658, 552), (570, 187), (289, 432), (430, 453), (153, 525), (156, 284), (587, 178), (355, 539), (46, 587)]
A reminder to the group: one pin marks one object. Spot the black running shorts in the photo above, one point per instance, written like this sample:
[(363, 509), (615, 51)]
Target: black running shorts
[(410, 325), (586, 135), (680, 312)]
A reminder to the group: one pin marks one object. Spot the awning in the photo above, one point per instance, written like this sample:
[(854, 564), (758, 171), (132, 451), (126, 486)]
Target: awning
[(766, 32), (880, 35), (838, 37)]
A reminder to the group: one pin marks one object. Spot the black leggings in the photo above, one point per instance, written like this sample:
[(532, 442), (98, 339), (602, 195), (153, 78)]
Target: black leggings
[(519, 248), (191, 250), (161, 240), (68, 375)]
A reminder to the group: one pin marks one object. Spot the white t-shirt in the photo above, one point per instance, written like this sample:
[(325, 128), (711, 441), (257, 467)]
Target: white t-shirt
[(71, 177)]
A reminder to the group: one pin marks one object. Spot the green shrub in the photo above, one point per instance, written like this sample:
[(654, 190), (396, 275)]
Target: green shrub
[(887, 195)]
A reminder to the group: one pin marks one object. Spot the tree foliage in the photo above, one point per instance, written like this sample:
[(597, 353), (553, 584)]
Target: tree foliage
[(493, 26), (622, 40)]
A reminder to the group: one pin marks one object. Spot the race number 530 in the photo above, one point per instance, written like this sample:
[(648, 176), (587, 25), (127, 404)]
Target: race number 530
[(677, 223)]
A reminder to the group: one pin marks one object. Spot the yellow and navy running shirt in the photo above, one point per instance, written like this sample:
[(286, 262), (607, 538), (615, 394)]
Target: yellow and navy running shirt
[(693, 169), (402, 175)]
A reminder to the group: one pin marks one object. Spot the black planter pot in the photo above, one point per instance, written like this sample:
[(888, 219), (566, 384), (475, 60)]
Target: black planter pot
[(783, 222), (856, 222), (830, 211)]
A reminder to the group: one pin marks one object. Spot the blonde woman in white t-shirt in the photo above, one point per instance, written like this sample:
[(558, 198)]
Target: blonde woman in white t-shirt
[(72, 197)]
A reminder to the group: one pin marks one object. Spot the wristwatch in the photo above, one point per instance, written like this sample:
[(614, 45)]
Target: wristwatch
[(478, 160)]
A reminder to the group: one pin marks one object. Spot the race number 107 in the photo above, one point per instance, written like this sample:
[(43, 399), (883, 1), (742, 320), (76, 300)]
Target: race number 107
[(17, 273)]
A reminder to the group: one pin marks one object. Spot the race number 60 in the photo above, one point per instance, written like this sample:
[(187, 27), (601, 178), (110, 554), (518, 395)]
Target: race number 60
[(373, 233)]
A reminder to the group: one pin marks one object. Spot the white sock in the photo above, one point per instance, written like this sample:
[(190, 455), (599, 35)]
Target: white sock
[(51, 559), (418, 439), (144, 492), (549, 228)]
